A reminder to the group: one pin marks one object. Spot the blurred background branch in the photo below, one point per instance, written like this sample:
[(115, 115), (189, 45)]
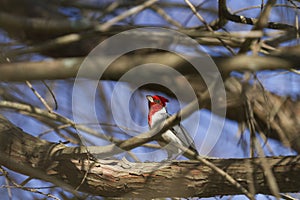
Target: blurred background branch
[(255, 46)]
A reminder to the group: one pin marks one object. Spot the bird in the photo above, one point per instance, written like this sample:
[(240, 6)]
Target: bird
[(177, 134)]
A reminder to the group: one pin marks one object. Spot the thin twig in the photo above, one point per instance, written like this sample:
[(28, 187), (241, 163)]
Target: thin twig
[(16, 185), (256, 146), (207, 25), (261, 23), (31, 110), (165, 16), (52, 94), (39, 96), (124, 15)]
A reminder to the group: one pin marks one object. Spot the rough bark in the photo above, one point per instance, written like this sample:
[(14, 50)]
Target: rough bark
[(116, 178)]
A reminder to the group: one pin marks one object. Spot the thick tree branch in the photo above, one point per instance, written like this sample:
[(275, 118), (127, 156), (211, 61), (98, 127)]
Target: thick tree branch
[(68, 67), (147, 180)]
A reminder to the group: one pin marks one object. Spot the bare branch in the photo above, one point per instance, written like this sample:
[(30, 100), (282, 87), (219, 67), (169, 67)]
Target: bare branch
[(191, 178), (68, 67), (260, 24)]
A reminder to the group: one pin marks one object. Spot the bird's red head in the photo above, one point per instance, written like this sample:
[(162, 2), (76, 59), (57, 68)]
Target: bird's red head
[(155, 103), (156, 100)]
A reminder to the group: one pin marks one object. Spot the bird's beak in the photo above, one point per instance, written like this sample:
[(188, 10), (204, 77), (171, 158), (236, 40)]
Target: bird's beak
[(149, 97)]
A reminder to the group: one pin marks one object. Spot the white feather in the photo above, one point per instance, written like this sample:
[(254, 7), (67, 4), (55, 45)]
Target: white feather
[(159, 117), (182, 137)]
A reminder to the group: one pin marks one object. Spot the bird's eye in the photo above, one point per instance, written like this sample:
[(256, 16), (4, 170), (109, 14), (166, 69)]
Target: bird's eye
[(156, 101)]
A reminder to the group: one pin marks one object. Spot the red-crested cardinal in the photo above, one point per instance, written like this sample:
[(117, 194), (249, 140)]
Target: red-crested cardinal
[(177, 134)]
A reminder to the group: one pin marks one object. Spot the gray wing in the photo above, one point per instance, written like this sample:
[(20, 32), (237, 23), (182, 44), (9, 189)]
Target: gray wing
[(185, 137)]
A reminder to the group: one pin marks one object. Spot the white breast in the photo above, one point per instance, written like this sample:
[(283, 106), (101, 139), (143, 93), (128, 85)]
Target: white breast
[(159, 117)]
